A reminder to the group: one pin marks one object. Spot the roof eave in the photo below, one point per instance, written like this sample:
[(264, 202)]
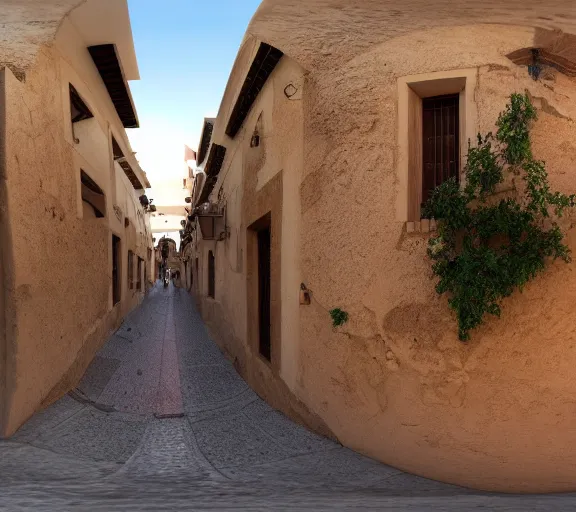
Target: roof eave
[(109, 67)]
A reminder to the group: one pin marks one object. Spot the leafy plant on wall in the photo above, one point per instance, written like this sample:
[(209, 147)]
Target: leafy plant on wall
[(339, 317), (487, 246)]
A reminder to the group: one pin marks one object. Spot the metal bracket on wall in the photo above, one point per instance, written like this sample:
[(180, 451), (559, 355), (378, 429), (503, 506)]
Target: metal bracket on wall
[(305, 299), (224, 234)]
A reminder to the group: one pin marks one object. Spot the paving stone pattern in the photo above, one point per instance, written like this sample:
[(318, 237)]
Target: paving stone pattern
[(161, 421)]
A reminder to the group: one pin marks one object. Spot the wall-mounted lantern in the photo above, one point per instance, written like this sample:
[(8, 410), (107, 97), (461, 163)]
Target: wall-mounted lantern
[(304, 295), (535, 68), (255, 140), (211, 225), (144, 201)]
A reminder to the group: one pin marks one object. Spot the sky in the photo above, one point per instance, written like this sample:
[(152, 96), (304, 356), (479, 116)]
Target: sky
[(185, 50)]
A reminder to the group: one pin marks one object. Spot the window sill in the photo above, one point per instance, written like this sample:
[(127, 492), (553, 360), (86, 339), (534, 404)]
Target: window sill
[(424, 226)]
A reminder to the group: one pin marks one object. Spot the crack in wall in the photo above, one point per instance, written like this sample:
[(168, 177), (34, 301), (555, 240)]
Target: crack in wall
[(544, 105)]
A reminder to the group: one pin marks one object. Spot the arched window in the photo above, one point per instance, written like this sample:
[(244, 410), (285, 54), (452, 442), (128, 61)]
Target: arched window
[(211, 275)]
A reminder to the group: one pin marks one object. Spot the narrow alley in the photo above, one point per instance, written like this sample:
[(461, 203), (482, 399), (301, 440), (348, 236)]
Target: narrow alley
[(161, 421), (287, 255)]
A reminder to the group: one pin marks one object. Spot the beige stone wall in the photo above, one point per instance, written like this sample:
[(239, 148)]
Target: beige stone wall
[(255, 181), (395, 383), (5, 259), (322, 34), (58, 279), (29, 24)]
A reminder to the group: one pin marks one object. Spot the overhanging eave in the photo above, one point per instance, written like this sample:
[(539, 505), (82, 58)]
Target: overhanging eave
[(106, 60)]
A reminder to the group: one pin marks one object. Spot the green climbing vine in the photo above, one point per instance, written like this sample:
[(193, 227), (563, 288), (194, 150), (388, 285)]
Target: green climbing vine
[(488, 245), (338, 316)]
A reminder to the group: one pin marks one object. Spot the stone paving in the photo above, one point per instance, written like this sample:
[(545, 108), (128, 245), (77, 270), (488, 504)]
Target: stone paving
[(161, 421)]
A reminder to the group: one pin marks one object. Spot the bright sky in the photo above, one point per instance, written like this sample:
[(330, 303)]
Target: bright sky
[(185, 50)]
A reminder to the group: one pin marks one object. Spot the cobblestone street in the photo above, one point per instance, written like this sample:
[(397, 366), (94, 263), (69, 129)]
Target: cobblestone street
[(161, 421)]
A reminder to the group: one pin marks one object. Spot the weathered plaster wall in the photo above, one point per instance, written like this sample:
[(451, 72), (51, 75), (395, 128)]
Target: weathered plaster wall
[(51, 259), (28, 24), (253, 182), (60, 276), (395, 383), (322, 34), (5, 258)]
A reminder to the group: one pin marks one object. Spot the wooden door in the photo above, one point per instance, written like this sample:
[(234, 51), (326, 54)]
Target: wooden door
[(264, 278), (116, 291)]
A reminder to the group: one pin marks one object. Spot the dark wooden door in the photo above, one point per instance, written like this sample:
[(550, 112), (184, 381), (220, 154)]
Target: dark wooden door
[(264, 278), (441, 145), (116, 292)]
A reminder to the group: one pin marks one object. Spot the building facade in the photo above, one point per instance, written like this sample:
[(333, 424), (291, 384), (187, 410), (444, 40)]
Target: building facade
[(308, 198), (168, 257), (76, 249)]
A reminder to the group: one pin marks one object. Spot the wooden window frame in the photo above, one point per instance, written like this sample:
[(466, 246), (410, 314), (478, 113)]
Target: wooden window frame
[(92, 194), (411, 90), (139, 275), (130, 270), (446, 165), (83, 111)]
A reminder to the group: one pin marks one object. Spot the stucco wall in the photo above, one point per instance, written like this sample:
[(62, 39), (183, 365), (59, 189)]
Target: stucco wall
[(257, 165), (253, 182), (60, 285), (322, 34), (5, 258), (395, 383), (28, 25)]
